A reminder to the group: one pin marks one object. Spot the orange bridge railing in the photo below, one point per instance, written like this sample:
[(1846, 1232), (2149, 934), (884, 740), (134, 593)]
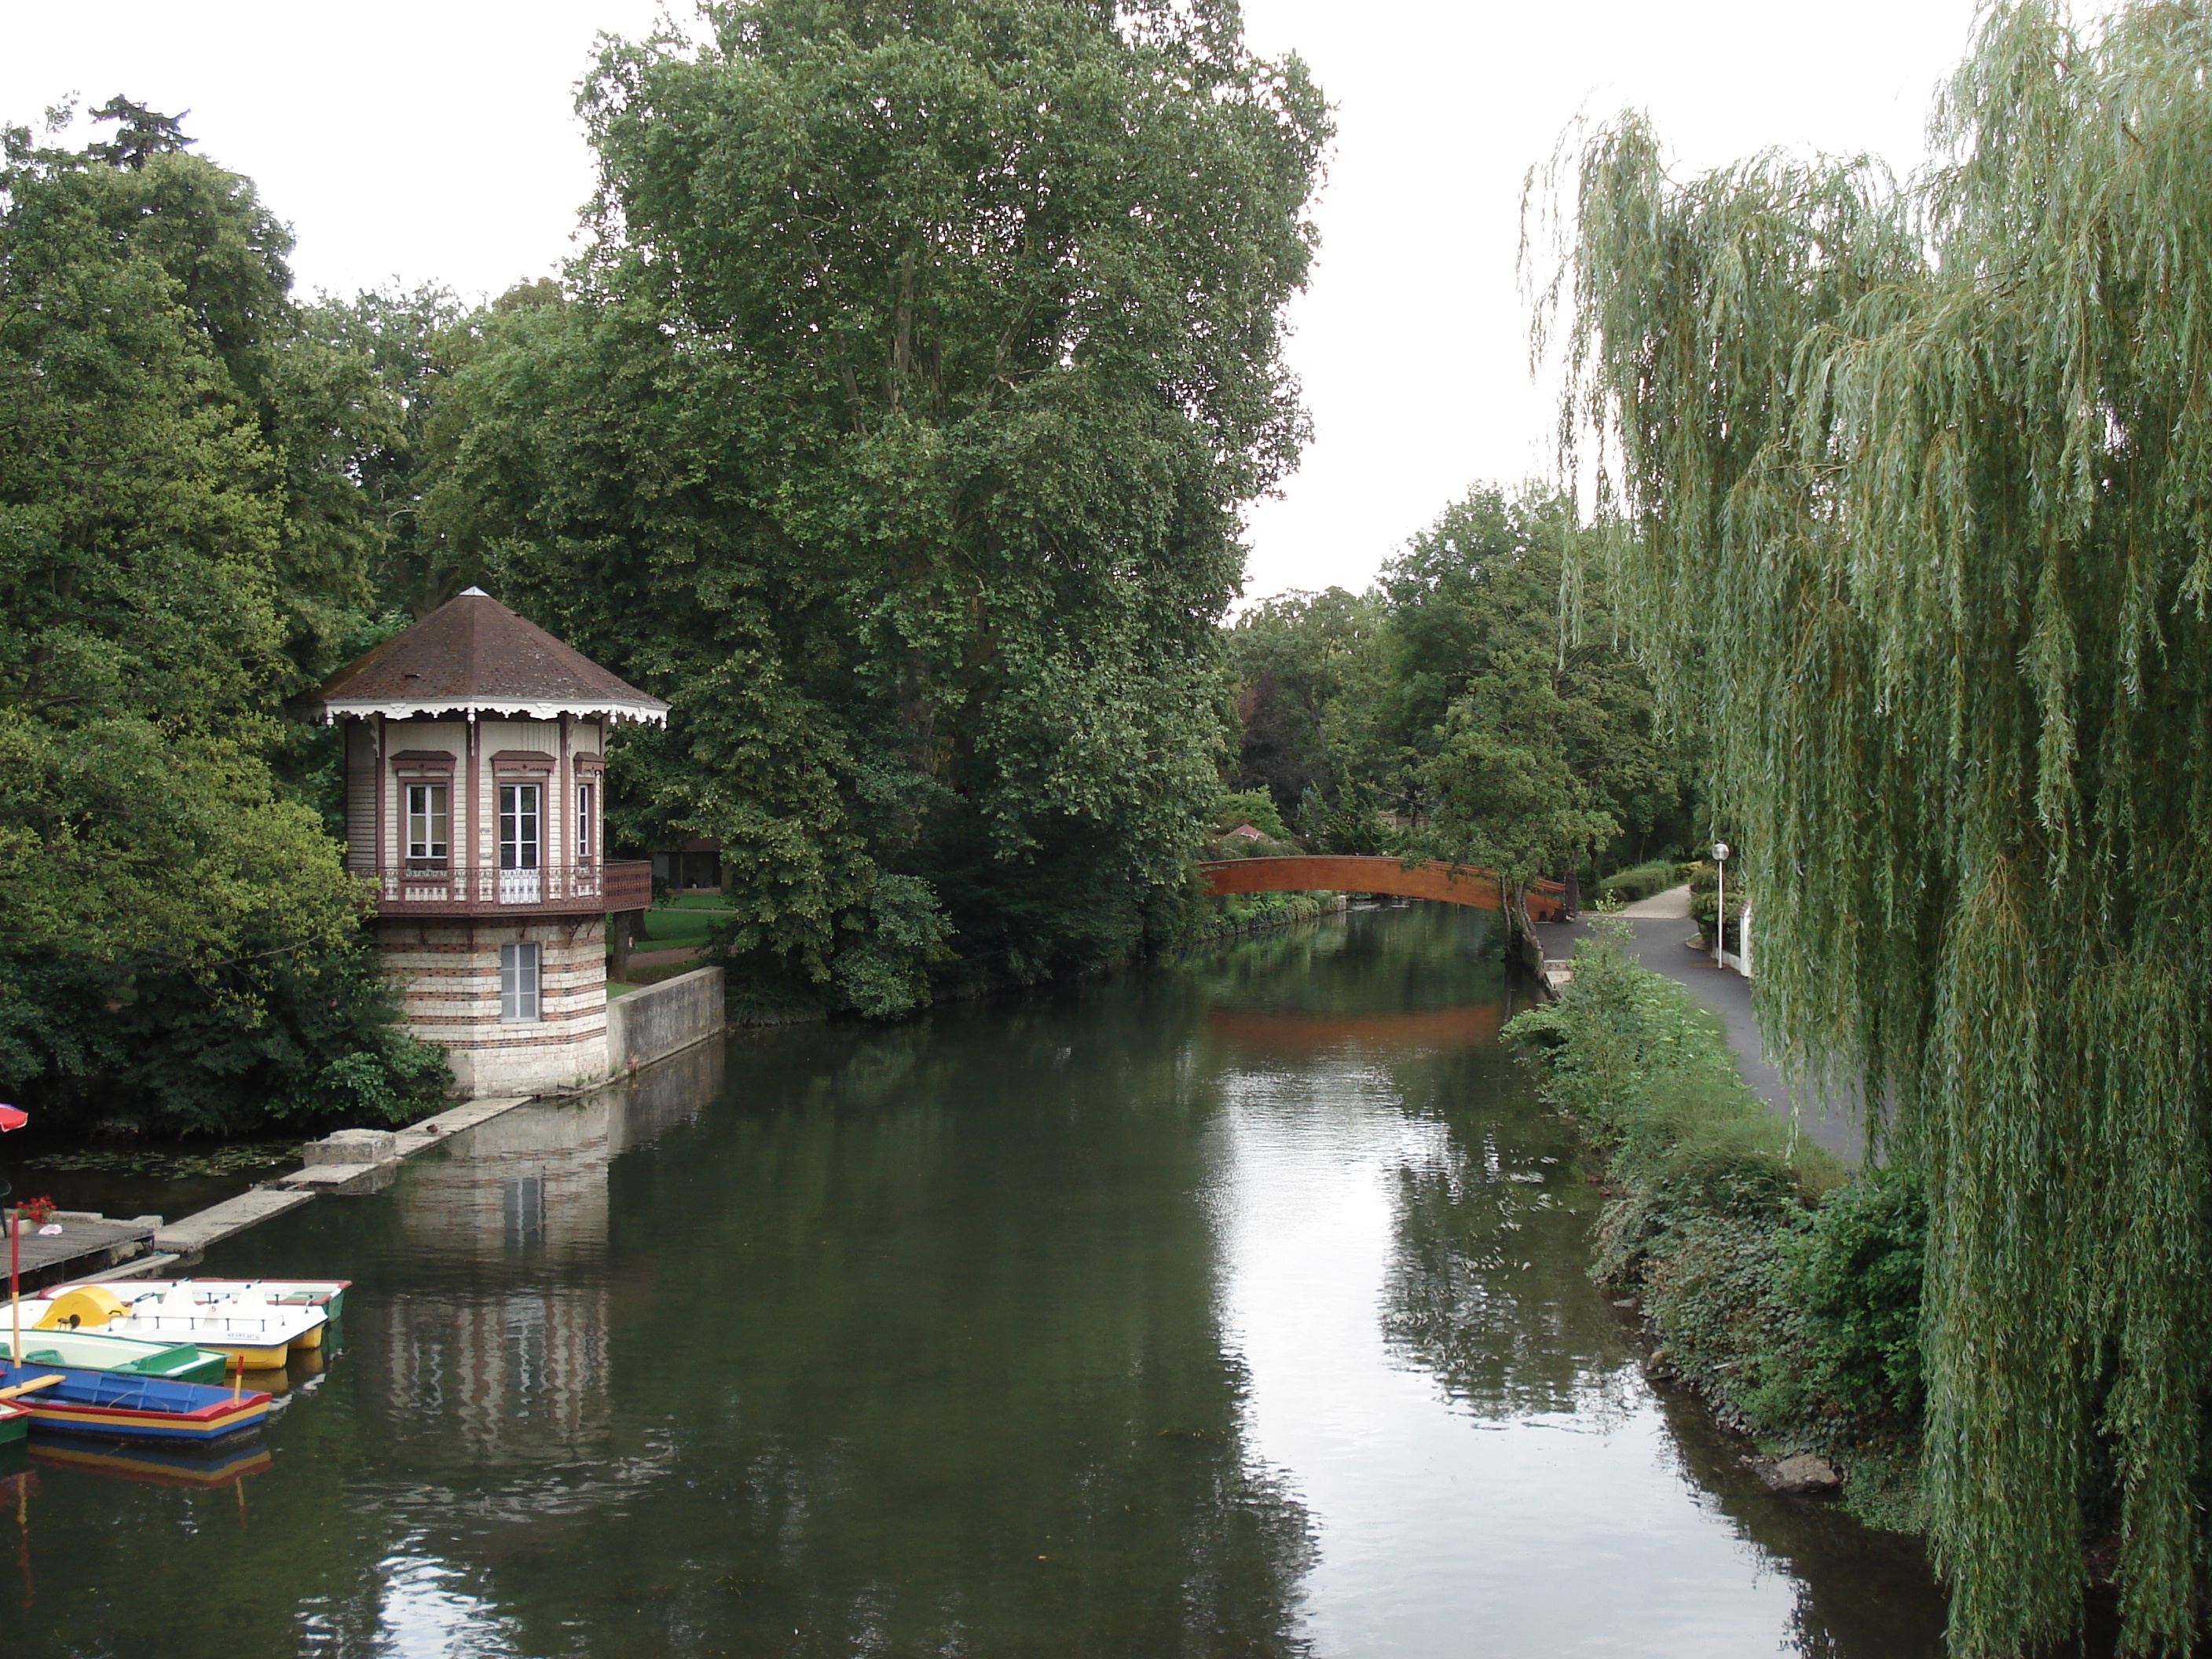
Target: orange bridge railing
[(1451, 883)]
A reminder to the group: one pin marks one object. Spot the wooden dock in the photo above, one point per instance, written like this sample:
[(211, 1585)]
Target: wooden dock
[(92, 1247), (88, 1245)]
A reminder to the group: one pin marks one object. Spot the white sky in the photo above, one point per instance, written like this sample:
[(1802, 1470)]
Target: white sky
[(435, 141)]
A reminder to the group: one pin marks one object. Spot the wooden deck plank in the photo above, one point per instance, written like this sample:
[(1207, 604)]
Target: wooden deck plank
[(82, 1246)]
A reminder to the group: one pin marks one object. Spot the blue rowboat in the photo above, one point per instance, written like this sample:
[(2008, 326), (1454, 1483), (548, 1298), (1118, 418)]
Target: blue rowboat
[(120, 1406)]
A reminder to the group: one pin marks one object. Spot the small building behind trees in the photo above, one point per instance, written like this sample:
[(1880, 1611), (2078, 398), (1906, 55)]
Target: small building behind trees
[(474, 745)]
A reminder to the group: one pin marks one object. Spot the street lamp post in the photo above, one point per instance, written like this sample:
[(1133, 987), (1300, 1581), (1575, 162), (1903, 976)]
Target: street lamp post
[(1720, 904)]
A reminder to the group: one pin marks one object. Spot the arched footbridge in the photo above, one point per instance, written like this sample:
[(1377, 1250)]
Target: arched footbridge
[(1452, 884)]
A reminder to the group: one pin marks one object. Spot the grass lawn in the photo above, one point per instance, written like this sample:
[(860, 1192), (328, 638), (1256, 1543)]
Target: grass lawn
[(680, 923), (669, 926)]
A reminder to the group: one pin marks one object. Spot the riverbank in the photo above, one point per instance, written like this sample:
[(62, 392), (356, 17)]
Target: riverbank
[(1242, 915), (1664, 944), (655, 1024), (1775, 1283)]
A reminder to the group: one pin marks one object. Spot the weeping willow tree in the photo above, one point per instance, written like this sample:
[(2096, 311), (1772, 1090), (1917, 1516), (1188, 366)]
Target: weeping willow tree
[(1914, 484)]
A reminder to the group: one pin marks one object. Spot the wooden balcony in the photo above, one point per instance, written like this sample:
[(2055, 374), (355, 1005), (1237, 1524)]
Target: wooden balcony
[(551, 890)]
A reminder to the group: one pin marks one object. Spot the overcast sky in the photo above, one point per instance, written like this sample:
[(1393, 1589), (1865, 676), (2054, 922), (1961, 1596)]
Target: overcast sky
[(435, 141)]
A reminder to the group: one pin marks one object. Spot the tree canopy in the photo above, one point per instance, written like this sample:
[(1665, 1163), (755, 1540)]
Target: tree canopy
[(178, 548), (1911, 481), (1469, 695), (896, 428)]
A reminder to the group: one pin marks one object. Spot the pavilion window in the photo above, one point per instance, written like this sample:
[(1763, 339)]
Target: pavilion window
[(517, 826), (583, 823), (518, 982), (426, 824)]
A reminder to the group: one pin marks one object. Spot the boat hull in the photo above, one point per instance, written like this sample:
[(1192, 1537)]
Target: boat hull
[(240, 1356), (114, 1406), (15, 1422)]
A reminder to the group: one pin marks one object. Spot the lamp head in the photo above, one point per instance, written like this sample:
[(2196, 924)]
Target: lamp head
[(1720, 852)]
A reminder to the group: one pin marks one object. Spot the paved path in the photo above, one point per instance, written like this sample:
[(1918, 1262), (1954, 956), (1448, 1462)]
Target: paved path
[(1673, 903), (1660, 944)]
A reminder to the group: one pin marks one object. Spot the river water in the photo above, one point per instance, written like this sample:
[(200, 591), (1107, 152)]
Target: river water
[(1237, 1308)]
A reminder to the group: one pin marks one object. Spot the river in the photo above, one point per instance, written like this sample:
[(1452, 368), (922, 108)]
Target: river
[(1234, 1308)]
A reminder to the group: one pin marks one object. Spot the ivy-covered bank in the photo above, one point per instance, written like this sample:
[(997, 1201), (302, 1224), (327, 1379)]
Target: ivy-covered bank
[(1783, 1290)]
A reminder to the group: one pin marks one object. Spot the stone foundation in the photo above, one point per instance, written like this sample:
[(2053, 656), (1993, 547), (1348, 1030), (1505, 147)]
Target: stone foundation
[(448, 976)]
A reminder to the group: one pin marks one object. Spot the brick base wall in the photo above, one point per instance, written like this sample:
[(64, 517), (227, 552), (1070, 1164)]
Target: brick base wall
[(447, 973)]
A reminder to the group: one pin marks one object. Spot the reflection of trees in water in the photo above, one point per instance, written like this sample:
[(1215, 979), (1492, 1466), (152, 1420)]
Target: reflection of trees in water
[(934, 1337), (1402, 959), (1861, 1593), (468, 1415), (1489, 1285), (1490, 1293)]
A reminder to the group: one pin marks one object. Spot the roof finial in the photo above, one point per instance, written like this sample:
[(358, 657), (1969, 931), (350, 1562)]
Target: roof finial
[(474, 594)]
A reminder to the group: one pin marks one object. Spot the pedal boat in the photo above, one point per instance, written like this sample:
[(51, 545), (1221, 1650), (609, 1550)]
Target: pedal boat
[(115, 1406), (15, 1422), (97, 1351), (328, 1294), (241, 1321)]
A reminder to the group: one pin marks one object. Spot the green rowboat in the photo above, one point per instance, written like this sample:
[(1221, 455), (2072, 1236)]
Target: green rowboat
[(89, 1351)]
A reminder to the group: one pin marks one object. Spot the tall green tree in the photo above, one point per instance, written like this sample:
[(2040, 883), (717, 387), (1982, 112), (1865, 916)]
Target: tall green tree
[(176, 554), (1916, 477), (896, 429), (1299, 660), (1475, 696), (1528, 729), (412, 343)]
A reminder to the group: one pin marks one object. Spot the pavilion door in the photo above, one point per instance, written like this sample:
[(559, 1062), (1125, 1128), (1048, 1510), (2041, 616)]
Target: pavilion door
[(521, 877)]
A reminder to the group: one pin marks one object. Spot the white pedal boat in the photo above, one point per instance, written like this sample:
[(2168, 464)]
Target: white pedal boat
[(328, 1294), (238, 1319)]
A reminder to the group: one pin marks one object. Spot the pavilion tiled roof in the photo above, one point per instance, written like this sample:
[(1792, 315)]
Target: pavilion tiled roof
[(473, 655)]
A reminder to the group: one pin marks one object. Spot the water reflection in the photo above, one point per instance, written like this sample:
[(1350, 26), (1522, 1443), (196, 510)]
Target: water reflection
[(1406, 1245), (1237, 1309)]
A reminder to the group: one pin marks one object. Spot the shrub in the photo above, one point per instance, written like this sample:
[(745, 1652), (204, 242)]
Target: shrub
[(1855, 1272), (1638, 882), (1705, 879)]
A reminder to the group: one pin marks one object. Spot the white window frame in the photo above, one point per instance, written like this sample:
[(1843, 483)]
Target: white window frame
[(521, 972), (521, 805), (584, 822), (428, 810)]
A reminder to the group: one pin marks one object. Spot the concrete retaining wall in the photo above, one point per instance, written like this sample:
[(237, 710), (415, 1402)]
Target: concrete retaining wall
[(654, 1020)]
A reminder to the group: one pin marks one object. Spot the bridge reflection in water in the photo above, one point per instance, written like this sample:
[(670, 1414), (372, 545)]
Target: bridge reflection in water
[(1304, 1034)]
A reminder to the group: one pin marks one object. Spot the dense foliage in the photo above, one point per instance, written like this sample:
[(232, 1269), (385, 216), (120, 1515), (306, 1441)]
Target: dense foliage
[(1913, 480), (1787, 1295), (1472, 697), (896, 430), (179, 548)]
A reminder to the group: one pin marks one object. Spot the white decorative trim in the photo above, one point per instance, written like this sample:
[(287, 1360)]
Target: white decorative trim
[(652, 712)]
